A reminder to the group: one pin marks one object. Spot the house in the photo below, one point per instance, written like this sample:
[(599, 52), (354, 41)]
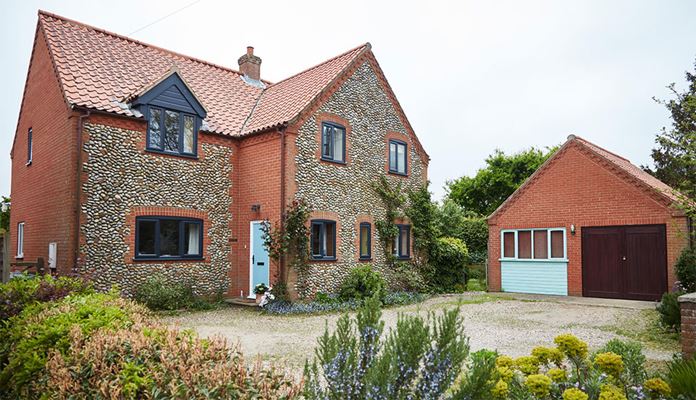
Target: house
[(587, 223), (130, 160)]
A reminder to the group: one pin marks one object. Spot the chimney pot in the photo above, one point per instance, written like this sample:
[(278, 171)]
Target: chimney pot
[(249, 64)]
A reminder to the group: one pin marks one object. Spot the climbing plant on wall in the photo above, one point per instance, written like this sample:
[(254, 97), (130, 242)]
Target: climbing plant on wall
[(393, 198)]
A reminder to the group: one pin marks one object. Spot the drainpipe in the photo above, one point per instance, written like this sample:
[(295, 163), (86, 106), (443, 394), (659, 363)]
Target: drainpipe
[(78, 185), (283, 272)]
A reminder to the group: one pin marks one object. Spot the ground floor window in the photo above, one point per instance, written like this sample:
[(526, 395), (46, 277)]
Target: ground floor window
[(20, 240), (323, 240), (168, 237), (402, 242), (365, 241), (537, 244)]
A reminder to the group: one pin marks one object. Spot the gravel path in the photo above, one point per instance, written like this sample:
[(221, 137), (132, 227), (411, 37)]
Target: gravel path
[(512, 326)]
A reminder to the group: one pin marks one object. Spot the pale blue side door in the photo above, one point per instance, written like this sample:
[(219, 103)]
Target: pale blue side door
[(259, 258)]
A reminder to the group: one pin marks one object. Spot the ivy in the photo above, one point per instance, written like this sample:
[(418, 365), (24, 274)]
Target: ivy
[(393, 199), (290, 240)]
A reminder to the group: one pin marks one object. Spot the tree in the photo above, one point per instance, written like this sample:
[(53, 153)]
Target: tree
[(491, 185), (472, 229), (675, 154), (5, 214)]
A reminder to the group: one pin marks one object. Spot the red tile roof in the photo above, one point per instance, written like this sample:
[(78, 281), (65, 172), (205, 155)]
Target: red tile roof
[(101, 70)]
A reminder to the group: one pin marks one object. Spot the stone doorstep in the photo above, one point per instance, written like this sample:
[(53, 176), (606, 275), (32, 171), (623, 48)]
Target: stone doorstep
[(240, 301)]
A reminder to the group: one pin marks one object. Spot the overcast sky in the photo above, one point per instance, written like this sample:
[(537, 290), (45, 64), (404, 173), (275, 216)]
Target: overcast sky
[(472, 76)]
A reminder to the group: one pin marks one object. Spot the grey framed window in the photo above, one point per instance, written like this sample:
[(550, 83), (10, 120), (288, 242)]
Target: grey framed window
[(333, 142), (323, 240), (398, 163), (402, 242), (30, 145), (172, 132), (168, 238), (365, 241), (20, 240)]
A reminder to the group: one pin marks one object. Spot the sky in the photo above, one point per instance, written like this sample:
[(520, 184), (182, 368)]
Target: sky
[(472, 76)]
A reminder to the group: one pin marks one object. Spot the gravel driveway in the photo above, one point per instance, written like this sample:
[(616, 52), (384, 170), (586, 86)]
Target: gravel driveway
[(512, 325)]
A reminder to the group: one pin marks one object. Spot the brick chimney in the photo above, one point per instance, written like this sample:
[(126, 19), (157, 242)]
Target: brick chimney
[(250, 65)]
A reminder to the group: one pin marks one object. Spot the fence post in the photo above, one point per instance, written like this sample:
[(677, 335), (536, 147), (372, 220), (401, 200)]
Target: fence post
[(687, 306)]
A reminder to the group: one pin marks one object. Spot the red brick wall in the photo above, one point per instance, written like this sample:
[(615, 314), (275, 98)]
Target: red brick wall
[(687, 305), (43, 193), (256, 180), (577, 189)]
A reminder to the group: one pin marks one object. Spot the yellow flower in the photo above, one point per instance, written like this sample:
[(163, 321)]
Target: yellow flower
[(527, 365), (657, 387), (611, 392), (609, 363), (505, 373), (574, 394), (500, 390), (503, 361), (571, 346), (557, 374), (538, 384), (547, 355)]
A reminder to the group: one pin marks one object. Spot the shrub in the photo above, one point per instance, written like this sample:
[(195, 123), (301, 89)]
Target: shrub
[(453, 221), (414, 360), (449, 260), (632, 356), (159, 294), (670, 315), (151, 361), (363, 282), (474, 285), (43, 328), (24, 291), (685, 268), (682, 377), (330, 303)]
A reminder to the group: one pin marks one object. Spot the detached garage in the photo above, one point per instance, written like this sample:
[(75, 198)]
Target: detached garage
[(587, 223)]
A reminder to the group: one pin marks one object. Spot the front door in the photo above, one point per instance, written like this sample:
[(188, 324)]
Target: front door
[(259, 268)]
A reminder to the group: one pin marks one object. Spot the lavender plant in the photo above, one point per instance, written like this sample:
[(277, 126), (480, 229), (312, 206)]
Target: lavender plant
[(418, 359)]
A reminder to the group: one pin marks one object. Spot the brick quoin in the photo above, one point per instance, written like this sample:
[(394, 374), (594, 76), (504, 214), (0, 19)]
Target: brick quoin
[(687, 305), (575, 188)]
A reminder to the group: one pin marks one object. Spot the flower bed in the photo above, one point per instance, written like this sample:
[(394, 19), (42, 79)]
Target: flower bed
[(325, 303)]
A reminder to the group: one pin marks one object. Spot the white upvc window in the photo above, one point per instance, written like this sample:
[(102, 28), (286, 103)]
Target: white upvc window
[(534, 244), (20, 240)]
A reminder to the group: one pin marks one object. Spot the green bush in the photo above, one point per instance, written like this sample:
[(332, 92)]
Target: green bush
[(453, 221), (670, 314), (43, 328), (632, 356), (685, 268), (682, 377), (449, 259), (363, 282), (158, 294), (24, 291)]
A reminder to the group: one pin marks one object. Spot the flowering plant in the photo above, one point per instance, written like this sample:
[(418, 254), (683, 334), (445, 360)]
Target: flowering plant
[(261, 288), (267, 297)]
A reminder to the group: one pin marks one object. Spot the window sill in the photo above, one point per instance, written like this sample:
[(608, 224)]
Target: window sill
[(28, 163), (542, 260), (364, 259), (329, 259), (333, 161), (19, 257), (169, 153), (402, 258), (403, 175), (139, 259)]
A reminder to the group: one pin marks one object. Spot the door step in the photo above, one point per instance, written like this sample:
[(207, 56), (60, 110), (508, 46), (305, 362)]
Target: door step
[(240, 301)]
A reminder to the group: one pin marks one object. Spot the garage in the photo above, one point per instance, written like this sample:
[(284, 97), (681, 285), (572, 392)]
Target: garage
[(625, 262)]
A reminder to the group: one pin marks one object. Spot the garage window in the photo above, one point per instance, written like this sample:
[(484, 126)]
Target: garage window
[(533, 244)]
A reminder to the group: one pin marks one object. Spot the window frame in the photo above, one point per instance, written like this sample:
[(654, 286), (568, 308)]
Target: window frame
[(368, 256), (531, 258), (395, 169), (322, 232), (334, 126), (30, 146), (180, 146), (182, 237), (397, 245), (20, 240)]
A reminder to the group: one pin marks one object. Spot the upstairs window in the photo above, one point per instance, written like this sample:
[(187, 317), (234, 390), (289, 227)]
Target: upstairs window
[(168, 238), (397, 157), (323, 240), (171, 131), (534, 244), (365, 241), (333, 142), (402, 242), (30, 145)]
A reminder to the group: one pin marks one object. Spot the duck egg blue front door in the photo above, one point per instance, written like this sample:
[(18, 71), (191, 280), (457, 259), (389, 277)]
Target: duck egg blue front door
[(259, 258)]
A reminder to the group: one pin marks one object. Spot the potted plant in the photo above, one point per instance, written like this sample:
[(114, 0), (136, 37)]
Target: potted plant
[(259, 291)]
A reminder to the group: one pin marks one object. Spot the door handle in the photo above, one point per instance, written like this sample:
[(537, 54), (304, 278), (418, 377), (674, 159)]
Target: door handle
[(253, 257), (623, 258), (260, 263)]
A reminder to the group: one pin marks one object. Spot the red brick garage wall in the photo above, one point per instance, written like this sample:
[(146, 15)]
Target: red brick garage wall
[(578, 188), (43, 193)]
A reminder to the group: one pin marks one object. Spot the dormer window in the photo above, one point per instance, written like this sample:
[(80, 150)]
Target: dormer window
[(174, 116), (171, 131)]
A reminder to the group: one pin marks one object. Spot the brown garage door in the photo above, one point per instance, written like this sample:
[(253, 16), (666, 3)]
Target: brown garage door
[(625, 262)]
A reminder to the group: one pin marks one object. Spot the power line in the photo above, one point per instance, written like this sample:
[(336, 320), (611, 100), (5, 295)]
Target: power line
[(165, 17)]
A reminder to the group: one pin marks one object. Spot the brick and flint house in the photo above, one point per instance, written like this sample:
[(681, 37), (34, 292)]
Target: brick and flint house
[(130, 160), (588, 223)]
